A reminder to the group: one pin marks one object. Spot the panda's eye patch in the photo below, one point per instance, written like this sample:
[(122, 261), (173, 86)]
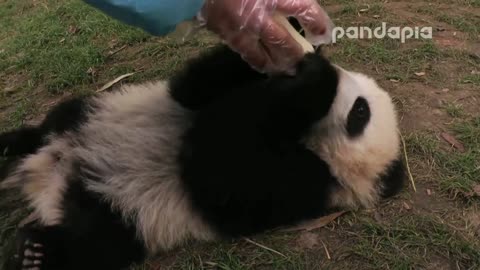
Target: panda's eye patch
[(358, 117)]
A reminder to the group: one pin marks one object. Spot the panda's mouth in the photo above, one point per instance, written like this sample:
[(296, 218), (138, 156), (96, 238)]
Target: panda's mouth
[(392, 181)]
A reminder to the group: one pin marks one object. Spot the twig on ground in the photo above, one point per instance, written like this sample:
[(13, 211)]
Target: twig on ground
[(265, 247), (410, 176)]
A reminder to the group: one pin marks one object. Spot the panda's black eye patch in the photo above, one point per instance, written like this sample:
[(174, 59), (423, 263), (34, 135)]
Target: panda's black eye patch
[(358, 117)]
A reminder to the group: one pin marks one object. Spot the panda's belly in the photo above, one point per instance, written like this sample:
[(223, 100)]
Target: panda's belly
[(131, 148)]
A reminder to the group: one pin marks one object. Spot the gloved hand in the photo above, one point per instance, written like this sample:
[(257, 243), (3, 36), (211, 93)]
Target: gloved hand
[(248, 27)]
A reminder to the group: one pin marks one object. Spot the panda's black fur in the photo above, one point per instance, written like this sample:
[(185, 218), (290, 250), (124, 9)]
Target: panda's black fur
[(243, 164)]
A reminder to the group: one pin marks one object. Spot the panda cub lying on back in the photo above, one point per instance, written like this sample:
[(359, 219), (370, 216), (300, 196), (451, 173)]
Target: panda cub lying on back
[(217, 151)]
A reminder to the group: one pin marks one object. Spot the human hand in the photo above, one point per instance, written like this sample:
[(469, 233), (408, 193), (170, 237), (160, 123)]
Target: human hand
[(249, 27)]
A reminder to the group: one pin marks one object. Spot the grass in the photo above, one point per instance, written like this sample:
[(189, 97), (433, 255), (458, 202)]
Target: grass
[(454, 110), (389, 57), (426, 9), (468, 24), (473, 79), (366, 8), (458, 172), (461, 170), (54, 44), (240, 255), (414, 242)]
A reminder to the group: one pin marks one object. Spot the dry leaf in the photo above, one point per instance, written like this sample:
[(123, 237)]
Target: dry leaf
[(445, 90), (111, 83), (72, 29), (406, 206), (316, 223), (110, 53), (376, 16), (476, 190), (92, 71), (420, 74), (112, 43), (474, 193), (395, 81), (453, 141), (378, 217), (62, 40), (363, 10), (307, 240), (429, 192)]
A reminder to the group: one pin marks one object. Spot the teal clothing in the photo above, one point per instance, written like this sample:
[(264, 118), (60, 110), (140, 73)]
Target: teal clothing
[(158, 17)]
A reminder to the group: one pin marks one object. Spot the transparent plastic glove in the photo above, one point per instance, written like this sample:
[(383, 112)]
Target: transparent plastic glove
[(249, 27)]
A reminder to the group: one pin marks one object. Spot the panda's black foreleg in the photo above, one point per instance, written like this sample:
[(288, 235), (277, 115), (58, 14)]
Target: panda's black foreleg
[(210, 76), (301, 100), (66, 116), (20, 142)]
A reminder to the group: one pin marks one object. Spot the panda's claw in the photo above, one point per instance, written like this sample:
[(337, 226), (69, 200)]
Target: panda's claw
[(32, 256)]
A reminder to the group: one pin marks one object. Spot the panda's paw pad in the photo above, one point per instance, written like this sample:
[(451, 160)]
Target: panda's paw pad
[(33, 255)]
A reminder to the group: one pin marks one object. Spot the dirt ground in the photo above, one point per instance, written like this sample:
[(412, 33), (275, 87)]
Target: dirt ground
[(53, 49)]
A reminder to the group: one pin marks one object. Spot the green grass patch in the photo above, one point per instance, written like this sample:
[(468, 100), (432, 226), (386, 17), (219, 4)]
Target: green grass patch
[(388, 57), (426, 9), (354, 8), (472, 79), (454, 110), (23, 109), (239, 255), (461, 170), (57, 43), (466, 23), (458, 172), (422, 145), (414, 242)]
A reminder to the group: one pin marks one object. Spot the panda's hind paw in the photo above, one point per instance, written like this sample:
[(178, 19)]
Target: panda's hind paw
[(33, 256), (38, 249)]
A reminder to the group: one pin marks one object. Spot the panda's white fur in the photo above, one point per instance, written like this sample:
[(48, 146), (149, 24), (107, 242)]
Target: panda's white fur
[(141, 173), (347, 157)]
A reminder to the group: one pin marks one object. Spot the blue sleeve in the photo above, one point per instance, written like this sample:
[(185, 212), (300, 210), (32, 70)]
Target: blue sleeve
[(158, 17)]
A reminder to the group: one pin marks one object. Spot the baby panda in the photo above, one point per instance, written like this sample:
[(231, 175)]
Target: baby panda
[(218, 151)]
